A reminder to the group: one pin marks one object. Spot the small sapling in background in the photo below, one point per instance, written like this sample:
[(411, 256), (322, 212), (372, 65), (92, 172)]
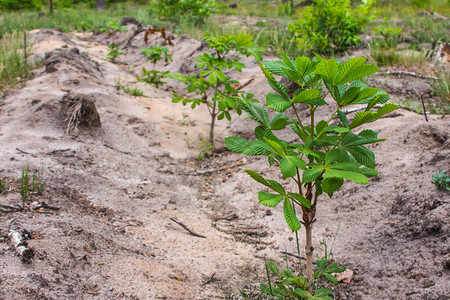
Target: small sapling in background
[(215, 90), (113, 53), (154, 54), (323, 156)]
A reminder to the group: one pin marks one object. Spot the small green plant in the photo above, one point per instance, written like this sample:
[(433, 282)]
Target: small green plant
[(153, 77), (205, 149), (2, 185), (390, 34), (113, 26), (323, 156), (287, 285), (217, 91), (38, 183), (113, 52), (331, 26), (157, 53), (133, 91), (25, 183), (441, 181)]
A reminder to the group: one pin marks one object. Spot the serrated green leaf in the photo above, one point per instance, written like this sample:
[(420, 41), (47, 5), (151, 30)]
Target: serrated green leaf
[(328, 70), (307, 95), (257, 177), (352, 176), (348, 67), (312, 174), (278, 122), (236, 144), (273, 82), (343, 118), (277, 102), (274, 66), (349, 96), (276, 186), (277, 148), (290, 216), (331, 184), (287, 167), (362, 155), (359, 72), (305, 202), (269, 199)]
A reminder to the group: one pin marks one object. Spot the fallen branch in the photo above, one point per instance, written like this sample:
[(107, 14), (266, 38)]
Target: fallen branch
[(24, 152), (20, 245), (424, 109), (352, 110), (208, 171), (110, 147), (9, 208), (409, 74), (292, 254), (58, 150), (187, 229), (36, 205), (241, 86)]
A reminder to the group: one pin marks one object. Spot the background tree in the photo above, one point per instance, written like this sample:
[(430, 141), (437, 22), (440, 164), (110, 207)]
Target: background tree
[(101, 4)]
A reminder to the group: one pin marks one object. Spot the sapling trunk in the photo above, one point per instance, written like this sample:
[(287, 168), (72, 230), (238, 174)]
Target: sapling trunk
[(213, 121), (309, 249)]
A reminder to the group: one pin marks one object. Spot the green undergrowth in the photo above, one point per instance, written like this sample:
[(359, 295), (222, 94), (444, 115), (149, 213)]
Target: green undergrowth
[(13, 69)]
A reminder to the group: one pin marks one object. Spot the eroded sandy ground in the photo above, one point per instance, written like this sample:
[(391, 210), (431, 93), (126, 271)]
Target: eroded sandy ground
[(118, 186)]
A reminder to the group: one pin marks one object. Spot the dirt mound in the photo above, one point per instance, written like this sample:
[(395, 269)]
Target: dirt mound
[(118, 191)]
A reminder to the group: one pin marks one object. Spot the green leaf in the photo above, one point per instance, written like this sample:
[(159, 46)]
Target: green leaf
[(331, 184), (349, 67), (277, 102), (212, 79), (237, 144), (328, 70), (287, 168), (269, 199), (306, 96), (273, 267), (312, 174), (278, 122), (358, 73), (289, 215), (257, 177), (273, 82), (275, 146), (305, 202), (343, 118), (362, 155), (352, 176), (276, 186)]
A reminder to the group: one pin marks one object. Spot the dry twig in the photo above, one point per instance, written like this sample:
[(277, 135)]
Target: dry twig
[(187, 229)]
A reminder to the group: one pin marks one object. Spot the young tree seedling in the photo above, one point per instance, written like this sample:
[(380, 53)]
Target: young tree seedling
[(215, 90), (324, 155)]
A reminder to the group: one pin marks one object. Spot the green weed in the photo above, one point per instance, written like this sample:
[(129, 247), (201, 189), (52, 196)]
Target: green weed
[(113, 52), (441, 181), (133, 91), (25, 184)]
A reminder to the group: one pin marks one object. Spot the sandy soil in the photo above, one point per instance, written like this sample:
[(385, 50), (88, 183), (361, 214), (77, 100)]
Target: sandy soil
[(119, 185)]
